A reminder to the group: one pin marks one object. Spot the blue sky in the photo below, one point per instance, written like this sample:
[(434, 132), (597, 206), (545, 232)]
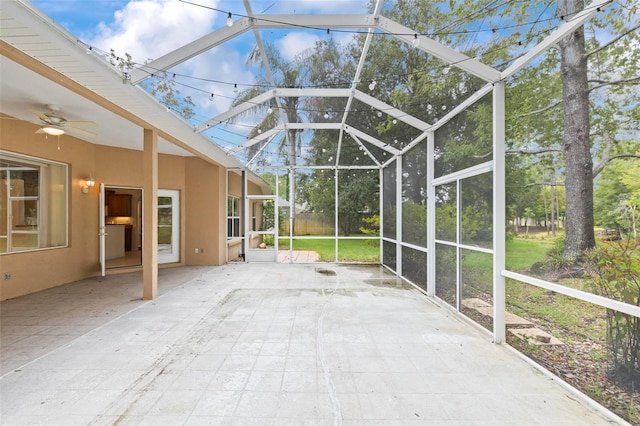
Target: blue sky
[(148, 29)]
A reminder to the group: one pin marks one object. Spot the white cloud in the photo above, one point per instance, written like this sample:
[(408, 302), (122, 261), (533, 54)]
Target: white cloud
[(310, 6), (295, 43), (151, 28)]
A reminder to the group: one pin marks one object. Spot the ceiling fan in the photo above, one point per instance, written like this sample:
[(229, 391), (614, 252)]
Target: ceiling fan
[(56, 125)]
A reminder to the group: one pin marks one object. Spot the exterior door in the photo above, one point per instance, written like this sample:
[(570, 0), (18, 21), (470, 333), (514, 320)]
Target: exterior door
[(261, 218), (168, 226)]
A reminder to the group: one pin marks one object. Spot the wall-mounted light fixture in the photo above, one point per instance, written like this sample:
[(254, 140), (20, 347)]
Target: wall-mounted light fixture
[(88, 184)]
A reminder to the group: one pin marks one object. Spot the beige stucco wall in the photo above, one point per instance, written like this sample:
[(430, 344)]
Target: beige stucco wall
[(203, 206)]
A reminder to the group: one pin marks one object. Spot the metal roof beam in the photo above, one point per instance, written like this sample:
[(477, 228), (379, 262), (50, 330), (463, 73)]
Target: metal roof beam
[(373, 141), (238, 109), (190, 50), (311, 92), (392, 111), (564, 30), (261, 137), (440, 51)]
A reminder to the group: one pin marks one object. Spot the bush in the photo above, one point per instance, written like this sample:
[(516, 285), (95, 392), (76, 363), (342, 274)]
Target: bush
[(614, 272)]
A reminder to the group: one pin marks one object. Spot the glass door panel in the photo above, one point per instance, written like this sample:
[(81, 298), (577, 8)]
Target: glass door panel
[(168, 226)]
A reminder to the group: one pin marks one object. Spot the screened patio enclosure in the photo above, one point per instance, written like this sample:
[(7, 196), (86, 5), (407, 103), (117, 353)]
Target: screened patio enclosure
[(410, 163)]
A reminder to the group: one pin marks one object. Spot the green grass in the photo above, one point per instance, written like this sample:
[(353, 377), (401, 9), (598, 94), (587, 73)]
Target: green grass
[(522, 253), (348, 250)]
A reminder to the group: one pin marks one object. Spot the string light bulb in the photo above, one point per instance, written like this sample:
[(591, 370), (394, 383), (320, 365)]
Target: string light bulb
[(446, 70), (372, 85), (211, 97), (230, 20), (235, 88), (326, 115), (270, 110), (379, 114), (415, 42), (89, 49)]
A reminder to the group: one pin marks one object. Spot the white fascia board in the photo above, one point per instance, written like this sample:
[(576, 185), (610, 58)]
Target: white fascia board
[(564, 30), (392, 111), (371, 140), (440, 51), (312, 92), (320, 22), (236, 110), (265, 135), (190, 50)]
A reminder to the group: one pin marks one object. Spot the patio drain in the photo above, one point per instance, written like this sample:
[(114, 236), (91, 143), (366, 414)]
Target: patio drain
[(328, 272)]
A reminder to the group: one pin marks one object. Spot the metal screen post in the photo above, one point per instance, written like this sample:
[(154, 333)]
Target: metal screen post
[(399, 216), (431, 217), (499, 214)]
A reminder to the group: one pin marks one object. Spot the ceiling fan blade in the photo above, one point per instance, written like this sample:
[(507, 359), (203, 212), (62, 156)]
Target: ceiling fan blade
[(81, 132), (40, 131), (82, 123), (41, 115)]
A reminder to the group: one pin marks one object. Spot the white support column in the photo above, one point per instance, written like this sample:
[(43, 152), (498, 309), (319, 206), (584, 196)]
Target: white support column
[(458, 254), (381, 202), (246, 232), (499, 213), (292, 210), (150, 215), (431, 217), (276, 217), (335, 206), (399, 215)]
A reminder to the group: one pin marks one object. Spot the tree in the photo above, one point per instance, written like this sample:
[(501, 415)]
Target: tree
[(162, 85), (576, 143), (617, 197), (585, 128)]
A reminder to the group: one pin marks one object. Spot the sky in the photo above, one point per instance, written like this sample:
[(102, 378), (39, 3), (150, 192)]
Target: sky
[(148, 29)]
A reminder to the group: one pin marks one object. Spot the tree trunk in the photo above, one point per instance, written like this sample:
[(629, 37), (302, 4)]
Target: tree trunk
[(546, 212), (579, 233)]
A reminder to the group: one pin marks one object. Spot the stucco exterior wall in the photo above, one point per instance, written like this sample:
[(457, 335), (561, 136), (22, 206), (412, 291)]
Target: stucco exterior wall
[(202, 194)]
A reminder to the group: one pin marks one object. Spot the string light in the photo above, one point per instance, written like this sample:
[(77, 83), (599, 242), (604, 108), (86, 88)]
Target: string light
[(270, 110), (229, 20), (235, 88), (326, 115), (372, 85), (446, 70), (211, 97), (89, 49), (415, 42)]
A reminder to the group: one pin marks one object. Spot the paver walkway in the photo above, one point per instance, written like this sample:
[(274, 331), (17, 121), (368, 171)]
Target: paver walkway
[(264, 344)]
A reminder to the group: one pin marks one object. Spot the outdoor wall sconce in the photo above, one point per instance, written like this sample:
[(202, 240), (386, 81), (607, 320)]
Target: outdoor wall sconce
[(88, 184)]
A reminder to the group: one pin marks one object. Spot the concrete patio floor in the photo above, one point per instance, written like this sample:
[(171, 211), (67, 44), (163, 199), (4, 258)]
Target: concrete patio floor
[(263, 344)]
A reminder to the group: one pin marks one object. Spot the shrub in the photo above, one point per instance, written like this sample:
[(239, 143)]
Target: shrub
[(614, 272)]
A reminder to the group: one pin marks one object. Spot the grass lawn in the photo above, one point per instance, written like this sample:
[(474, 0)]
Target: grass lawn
[(348, 250), (522, 253)]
